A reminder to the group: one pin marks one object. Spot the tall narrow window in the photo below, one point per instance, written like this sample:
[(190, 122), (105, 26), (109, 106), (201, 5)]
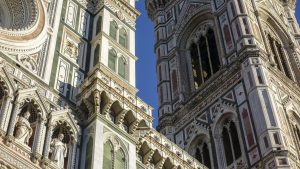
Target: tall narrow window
[(227, 146), (204, 58), (206, 65), (206, 155), (202, 154), (282, 58), (112, 57), (120, 161), (213, 50), (108, 156), (196, 66), (123, 37), (231, 143), (235, 141), (113, 30), (89, 154), (122, 67)]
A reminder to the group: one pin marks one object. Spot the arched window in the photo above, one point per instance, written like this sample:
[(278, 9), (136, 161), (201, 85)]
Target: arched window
[(204, 58), (196, 68), (112, 59), (108, 156), (123, 37), (122, 67), (200, 150), (113, 30), (88, 154), (231, 143), (202, 154), (278, 55), (120, 161)]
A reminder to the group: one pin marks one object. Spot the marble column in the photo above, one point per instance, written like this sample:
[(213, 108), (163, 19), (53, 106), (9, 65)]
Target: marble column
[(47, 142), (5, 113), (13, 119), (37, 146)]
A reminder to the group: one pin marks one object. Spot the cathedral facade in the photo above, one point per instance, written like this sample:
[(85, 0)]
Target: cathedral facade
[(228, 77), (68, 89)]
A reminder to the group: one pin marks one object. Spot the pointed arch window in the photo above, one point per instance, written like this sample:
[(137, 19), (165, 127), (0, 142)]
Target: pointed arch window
[(202, 154), (122, 67), (112, 59), (108, 156), (120, 161), (278, 55), (123, 37), (113, 30), (231, 143), (204, 58)]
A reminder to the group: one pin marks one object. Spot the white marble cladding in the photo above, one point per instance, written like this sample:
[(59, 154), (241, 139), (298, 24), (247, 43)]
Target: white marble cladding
[(168, 149), (120, 87), (27, 81)]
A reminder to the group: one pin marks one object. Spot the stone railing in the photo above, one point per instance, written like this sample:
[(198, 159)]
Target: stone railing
[(119, 88), (168, 149)]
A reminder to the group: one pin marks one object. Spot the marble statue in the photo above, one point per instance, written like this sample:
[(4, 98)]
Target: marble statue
[(58, 150), (23, 129)]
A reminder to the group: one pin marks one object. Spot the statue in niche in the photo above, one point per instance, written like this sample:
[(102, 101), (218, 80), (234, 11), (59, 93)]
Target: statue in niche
[(23, 129), (58, 150)]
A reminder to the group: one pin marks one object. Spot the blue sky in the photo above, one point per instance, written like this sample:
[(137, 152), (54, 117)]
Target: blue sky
[(146, 73)]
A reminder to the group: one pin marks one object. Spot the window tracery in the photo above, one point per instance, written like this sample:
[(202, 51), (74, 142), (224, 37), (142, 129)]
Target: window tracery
[(118, 64), (200, 149), (114, 154), (204, 58), (231, 142), (120, 35), (278, 55)]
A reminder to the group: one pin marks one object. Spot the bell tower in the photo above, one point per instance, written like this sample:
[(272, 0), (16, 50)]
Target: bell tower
[(107, 97), (228, 80)]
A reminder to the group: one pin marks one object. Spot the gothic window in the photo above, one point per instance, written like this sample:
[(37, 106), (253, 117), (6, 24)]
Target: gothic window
[(204, 58), (112, 59), (108, 156), (122, 67), (202, 154), (278, 55), (113, 30), (113, 158), (231, 143), (120, 160), (88, 154), (123, 37)]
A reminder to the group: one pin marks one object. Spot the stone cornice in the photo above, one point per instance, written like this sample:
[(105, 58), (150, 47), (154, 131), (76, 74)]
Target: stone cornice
[(100, 78)]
